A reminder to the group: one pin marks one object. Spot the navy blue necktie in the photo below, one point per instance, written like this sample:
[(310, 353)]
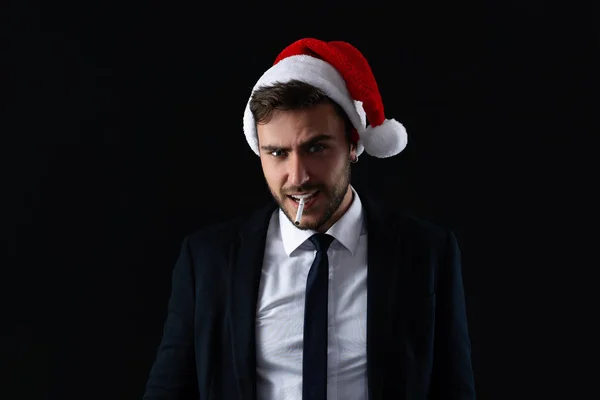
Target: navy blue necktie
[(314, 362)]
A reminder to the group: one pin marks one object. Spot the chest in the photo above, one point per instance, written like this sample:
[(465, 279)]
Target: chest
[(280, 310)]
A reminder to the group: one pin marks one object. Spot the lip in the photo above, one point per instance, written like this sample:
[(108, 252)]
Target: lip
[(308, 204)]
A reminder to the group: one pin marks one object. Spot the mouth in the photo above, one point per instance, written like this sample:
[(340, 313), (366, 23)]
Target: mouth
[(309, 198)]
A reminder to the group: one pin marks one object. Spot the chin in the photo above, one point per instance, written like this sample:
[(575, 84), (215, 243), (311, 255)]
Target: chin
[(308, 224)]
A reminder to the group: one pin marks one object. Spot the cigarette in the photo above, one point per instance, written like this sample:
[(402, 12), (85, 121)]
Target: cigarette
[(300, 210)]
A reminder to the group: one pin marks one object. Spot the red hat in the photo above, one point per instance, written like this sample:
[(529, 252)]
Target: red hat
[(343, 73)]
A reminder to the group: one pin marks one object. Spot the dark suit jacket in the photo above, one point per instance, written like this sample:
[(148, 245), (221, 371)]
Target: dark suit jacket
[(418, 345)]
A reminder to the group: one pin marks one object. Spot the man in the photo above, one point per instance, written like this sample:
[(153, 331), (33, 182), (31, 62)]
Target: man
[(340, 300)]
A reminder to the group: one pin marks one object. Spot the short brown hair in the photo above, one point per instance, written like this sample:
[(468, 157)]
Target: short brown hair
[(292, 95)]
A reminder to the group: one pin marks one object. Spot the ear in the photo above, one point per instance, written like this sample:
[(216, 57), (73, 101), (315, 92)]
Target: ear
[(353, 156)]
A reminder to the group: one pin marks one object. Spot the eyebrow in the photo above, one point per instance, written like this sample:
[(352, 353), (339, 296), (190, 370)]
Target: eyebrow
[(308, 143)]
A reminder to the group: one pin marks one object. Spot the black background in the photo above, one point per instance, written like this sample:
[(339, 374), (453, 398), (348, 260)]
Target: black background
[(130, 137)]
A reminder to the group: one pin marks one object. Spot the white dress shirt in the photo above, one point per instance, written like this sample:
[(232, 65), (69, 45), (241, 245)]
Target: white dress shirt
[(280, 309)]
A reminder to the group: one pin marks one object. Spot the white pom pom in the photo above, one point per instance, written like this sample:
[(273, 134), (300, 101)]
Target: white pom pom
[(385, 140)]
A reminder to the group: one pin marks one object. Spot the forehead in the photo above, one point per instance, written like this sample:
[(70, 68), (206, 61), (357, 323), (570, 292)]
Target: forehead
[(286, 128)]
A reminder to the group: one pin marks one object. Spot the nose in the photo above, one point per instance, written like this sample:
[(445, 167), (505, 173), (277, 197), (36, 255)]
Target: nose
[(297, 170)]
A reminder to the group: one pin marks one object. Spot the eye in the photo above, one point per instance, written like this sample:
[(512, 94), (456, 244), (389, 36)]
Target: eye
[(316, 148), (277, 153)]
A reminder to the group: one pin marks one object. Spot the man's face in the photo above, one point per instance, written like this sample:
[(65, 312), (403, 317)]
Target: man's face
[(306, 152)]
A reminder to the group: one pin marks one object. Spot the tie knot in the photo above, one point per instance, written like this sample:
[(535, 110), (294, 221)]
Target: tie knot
[(321, 241)]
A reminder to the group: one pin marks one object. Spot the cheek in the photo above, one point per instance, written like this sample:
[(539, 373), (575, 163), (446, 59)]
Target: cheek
[(332, 167), (273, 174)]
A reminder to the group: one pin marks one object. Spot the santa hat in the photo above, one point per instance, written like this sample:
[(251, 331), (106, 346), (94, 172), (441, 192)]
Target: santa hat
[(343, 74)]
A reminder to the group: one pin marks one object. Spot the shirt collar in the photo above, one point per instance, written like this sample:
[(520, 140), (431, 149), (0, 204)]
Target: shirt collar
[(346, 230)]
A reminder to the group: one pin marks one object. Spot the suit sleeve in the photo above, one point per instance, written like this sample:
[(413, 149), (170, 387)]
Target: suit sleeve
[(452, 370), (173, 374)]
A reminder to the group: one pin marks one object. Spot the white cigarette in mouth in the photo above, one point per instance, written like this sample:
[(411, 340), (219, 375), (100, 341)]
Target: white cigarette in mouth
[(300, 210)]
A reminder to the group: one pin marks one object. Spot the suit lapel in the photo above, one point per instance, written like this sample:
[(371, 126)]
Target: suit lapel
[(383, 276), (246, 264)]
